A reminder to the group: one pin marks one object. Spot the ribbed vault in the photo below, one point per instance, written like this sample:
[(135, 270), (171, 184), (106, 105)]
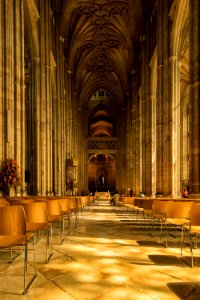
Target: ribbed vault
[(101, 37), (102, 46)]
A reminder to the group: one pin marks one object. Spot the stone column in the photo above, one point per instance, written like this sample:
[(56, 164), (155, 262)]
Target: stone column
[(69, 126), (44, 104), (143, 114), (60, 155), (121, 167), (146, 119), (128, 139), (8, 82), (164, 108), (1, 81), (69, 114), (19, 90), (133, 132), (194, 137), (82, 147), (35, 151), (12, 107), (174, 125), (75, 135), (152, 100)]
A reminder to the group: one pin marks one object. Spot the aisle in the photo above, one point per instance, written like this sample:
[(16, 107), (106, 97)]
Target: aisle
[(110, 256)]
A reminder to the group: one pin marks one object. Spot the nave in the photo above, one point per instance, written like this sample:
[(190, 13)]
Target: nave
[(108, 255)]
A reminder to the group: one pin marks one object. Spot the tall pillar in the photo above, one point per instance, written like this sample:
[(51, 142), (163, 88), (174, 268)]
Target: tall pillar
[(174, 111), (164, 106), (59, 114), (69, 128), (35, 151), (69, 114), (143, 113), (152, 100), (146, 118), (43, 108), (12, 88), (121, 159), (133, 100), (19, 88), (128, 140), (194, 137), (8, 83), (82, 148)]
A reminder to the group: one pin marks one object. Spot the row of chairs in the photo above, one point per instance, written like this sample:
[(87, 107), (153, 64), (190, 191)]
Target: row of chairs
[(22, 220), (171, 213)]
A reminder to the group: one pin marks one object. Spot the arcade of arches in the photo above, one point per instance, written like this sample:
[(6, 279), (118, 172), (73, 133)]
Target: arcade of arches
[(101, 95)]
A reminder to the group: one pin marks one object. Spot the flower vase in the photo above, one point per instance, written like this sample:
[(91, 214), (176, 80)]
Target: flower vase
[(11, 191)]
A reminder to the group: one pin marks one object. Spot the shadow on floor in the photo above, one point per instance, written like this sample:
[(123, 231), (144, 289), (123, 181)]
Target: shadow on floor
[(149, 243), (185, 290), (166, 260)]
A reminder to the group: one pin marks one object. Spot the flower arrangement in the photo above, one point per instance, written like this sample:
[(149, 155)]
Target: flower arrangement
[(9, 174)]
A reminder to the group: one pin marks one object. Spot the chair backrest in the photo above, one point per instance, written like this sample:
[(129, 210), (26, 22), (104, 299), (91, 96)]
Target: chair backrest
[(72, 203), (79, 202), (129, 200), (36, 212), (195, 215), (54, 207), (160, 207), (179, 209), (147, 204), (139, 202), (13, 220), (3, 202), (64, 205)]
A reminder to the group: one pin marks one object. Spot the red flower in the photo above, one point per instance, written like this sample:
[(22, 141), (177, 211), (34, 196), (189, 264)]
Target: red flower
[(9, 174)]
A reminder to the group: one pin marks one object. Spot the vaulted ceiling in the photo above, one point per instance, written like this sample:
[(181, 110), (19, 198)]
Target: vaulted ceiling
[(102, 43)]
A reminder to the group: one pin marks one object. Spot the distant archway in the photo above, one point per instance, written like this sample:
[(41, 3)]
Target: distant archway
[(101, 173)]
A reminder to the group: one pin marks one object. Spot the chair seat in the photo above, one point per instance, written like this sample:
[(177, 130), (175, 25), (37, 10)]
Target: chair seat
[(31, 227), (177, 221), (159, 215), (195, 229), (148, 211), (9, 241), (52, 218)]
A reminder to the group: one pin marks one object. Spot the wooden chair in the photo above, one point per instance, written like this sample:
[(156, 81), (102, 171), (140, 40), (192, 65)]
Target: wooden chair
[(3, 202), (138, 206), (177, 215), (159, 209), (193, 229), (129, 204), (37, 221), (80, 207), (147, 209), (73, 209), (13, 233), (65, 213), (55, 215)]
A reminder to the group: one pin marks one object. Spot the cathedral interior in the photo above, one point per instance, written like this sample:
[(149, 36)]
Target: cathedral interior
[(94, 89), (99, 136)]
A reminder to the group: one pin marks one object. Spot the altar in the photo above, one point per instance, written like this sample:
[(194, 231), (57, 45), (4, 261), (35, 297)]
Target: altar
[(102, 195)]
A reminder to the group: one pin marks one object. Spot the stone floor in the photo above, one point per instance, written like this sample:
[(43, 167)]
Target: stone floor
[(110, 255)]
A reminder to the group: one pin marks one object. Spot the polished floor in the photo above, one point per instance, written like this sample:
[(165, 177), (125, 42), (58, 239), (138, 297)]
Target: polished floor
[(110, 255)]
